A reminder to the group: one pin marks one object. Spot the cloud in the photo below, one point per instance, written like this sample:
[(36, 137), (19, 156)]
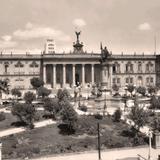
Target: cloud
[(144, 27), (7, 44), (7, 37), (29, 25), (79, 22), (33, 31)]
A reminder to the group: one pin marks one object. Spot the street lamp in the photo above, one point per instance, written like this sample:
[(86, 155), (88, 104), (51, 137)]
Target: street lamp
[(150, 144), (79, 87), (99, 143)]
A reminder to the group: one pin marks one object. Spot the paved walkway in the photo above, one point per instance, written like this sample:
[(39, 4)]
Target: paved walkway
[(10, 131), (107, 155)]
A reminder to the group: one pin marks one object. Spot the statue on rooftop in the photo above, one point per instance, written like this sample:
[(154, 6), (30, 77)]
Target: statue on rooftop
[(78, 34), (104, 53)]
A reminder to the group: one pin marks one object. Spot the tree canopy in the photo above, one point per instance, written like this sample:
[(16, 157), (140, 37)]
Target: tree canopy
[(29, 97), (36, 82), (44, 92)]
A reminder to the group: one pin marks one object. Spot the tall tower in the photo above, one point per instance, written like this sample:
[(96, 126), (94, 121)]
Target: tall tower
[(77, 46), (49, 46)]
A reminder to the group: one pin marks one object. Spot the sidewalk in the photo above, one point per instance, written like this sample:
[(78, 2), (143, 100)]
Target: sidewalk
[(107, 154), (10, 131)]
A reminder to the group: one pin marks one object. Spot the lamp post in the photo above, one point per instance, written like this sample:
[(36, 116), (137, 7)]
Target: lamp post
[(79, 87), (0, 150), (150, 145), (88, 90), (99, 143)]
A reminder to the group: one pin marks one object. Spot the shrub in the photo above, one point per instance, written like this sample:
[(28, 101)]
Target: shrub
[(2, 116), (98, 116), (29, 97), (130, 89), (25, 113), (117, 115), (16, 92), (155, 102), (141, 90), (44, 92), (63, 95), (36, 82), (83, 108), (52, 106), (69, 116), (139, 116)]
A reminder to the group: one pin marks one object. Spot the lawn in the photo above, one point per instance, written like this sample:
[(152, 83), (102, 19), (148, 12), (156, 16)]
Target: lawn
[(11, 121), (51, 139)]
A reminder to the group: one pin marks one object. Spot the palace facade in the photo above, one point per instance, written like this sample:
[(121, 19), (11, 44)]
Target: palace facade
[(65, 70)]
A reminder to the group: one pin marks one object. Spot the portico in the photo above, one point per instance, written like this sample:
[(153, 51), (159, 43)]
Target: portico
[(67, 75)]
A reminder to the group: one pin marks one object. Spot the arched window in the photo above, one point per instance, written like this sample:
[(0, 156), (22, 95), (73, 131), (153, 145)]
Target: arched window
[(116, 67), (140, 80), (129, 67), (139, 66), (149, 67), (6, 65)]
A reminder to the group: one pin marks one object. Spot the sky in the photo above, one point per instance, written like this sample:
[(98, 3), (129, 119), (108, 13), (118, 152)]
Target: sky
[(126, 26)]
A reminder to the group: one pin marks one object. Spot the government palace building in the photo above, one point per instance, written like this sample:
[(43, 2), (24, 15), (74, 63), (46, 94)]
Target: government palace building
[(66, 70)]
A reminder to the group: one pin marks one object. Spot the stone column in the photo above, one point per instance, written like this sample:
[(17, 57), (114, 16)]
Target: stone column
[(73, 75), (92, 72), (54, 75), (83, 75), (44, 73), (64, 75)]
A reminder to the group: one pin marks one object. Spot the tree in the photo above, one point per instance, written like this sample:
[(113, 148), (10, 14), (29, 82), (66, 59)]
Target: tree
[(117, 115), (25, 113), (130, 89), (44, 92), (63, 95), (36, 82), (4, 87), (16, 92), (69, 116), (115, 88), (152, 89), (141, 90), (51, 106), (156, 124), (29, 97), (155, 102), (139, 116)]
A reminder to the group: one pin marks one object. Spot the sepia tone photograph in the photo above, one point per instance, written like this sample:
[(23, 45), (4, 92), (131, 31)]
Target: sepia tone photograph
[(80, 80)]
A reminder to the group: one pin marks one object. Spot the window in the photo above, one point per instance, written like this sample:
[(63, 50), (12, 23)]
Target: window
[(139, 67), (127, 80), (147, 79), (114, 80), (118, 80), (149, 67), (114, 69), (19, 64), (34, 64), (129, 67), (131, 80), (6, 65)]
